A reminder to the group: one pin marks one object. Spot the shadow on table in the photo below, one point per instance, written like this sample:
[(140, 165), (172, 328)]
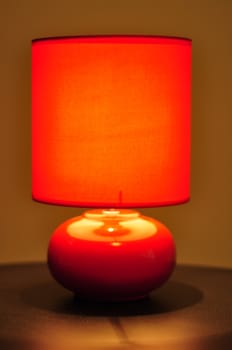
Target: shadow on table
[(171, 297)]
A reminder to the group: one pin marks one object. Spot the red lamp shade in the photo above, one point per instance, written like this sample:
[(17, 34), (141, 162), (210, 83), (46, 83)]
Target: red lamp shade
[(111, 121)]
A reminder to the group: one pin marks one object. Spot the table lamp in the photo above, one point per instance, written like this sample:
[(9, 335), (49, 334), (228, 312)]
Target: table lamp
[(111, 132)]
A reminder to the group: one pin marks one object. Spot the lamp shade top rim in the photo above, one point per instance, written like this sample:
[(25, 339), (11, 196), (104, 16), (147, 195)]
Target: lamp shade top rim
[(120, 39)]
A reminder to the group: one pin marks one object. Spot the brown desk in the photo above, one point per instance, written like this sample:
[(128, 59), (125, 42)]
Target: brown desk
[(193, 311)]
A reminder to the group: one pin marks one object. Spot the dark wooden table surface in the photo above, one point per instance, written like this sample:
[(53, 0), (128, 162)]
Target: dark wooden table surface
[(193, 311)]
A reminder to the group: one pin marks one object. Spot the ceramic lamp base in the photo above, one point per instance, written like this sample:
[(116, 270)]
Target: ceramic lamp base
[(111, 255)]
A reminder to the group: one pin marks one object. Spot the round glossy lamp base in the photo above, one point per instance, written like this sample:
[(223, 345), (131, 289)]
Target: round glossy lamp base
[(111, 255)]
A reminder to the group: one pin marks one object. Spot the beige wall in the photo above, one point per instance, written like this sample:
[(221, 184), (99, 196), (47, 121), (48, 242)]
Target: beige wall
[(201, 228)]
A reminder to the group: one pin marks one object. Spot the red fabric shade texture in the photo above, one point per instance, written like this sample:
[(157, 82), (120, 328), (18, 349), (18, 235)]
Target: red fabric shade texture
[(111, 121)]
